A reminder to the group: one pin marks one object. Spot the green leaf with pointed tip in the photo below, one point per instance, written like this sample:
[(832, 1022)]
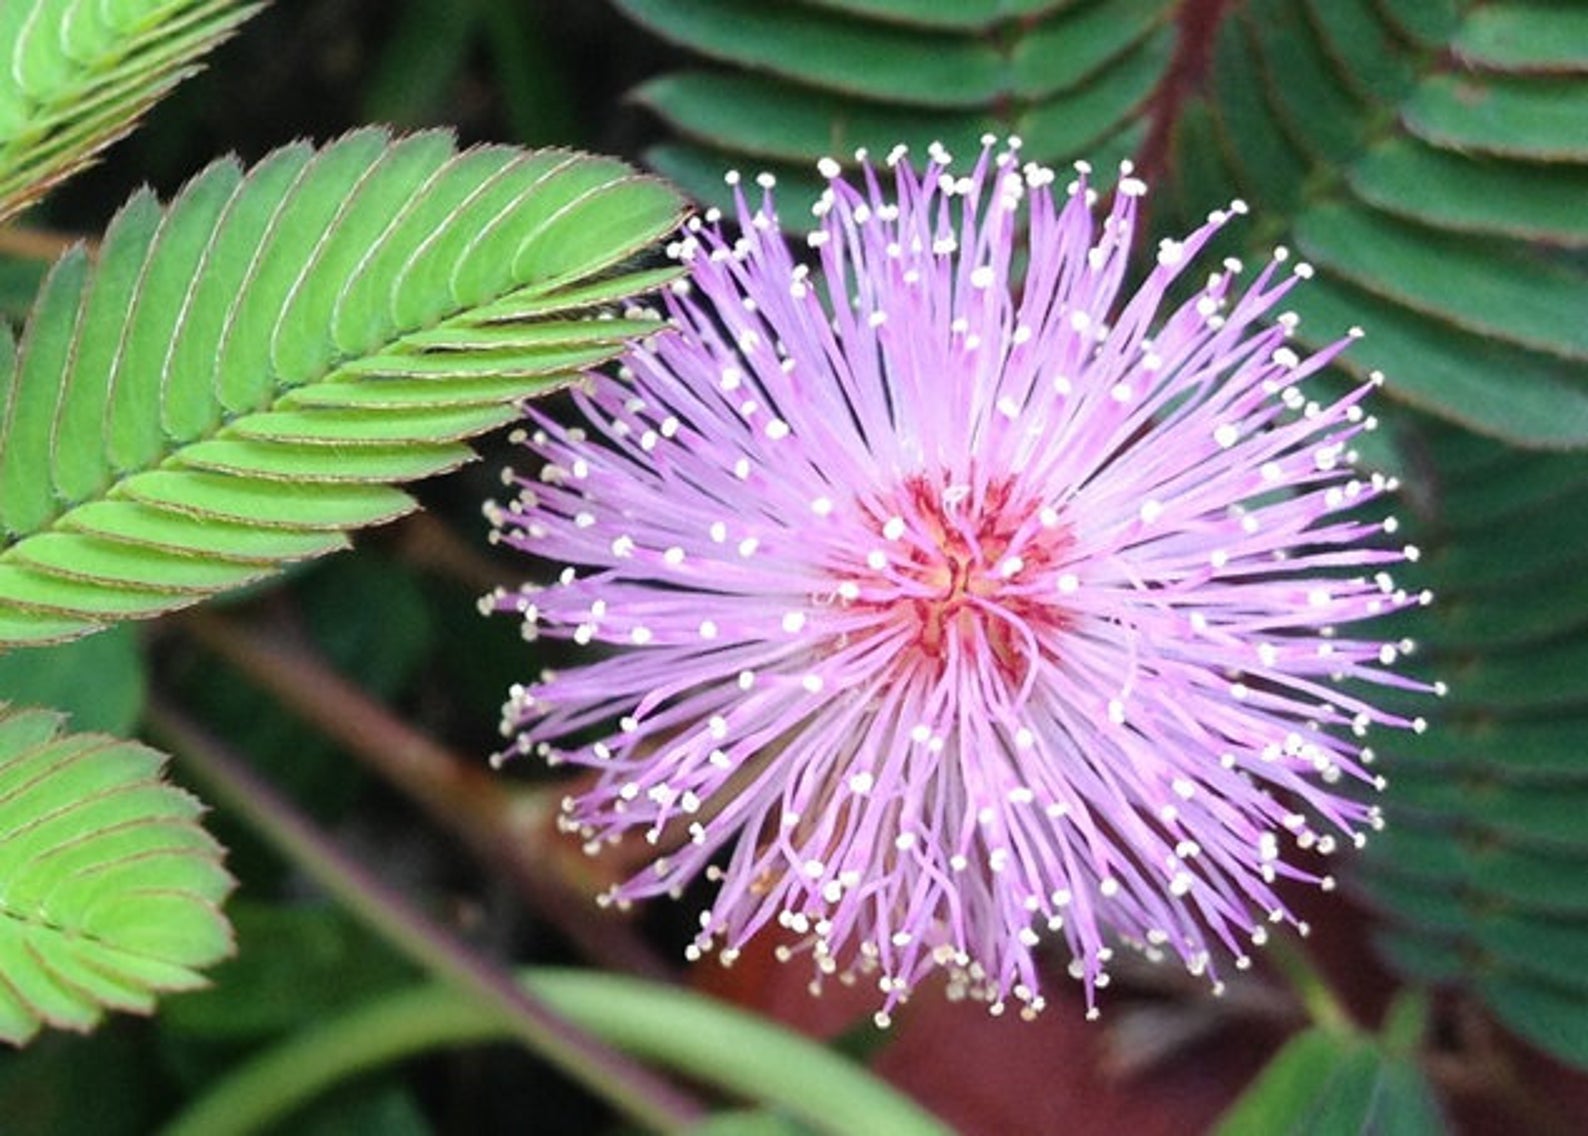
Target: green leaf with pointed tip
[(1323, 1083), (75, 77), (1538, 119), (111, 889), (245, 374)]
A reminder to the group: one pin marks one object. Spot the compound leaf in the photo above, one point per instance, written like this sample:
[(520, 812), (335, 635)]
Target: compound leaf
[(75, 75), (244, 374), (110, 890)]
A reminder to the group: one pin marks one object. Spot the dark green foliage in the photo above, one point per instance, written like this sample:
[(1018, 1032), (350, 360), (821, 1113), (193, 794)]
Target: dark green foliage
[(1322, 1083), (1426, 159), (1479, 872), (808, 81)]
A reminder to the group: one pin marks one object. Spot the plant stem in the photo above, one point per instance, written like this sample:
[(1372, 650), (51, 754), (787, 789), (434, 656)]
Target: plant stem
[(1317, 997), (30, 243), (694, 1034), (465, 799), (1196, 25), (630, 1087), (425, 542)]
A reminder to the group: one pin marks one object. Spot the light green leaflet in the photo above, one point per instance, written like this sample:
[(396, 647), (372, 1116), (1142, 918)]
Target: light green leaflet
[(109, 889), (76, 74), (244, 374)]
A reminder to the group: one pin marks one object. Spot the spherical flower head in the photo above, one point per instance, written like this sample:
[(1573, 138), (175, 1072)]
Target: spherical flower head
[(936, 608)]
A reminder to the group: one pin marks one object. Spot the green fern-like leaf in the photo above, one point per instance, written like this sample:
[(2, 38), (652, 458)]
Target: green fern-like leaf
[(109, 889), (76, 74), (244, 374), (1481, 874), (804, 81), (1430, 160)]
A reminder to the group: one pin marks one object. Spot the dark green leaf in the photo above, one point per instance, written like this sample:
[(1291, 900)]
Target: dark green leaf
[(1371, 61), (1516, 395), (963, 14), (1266, 164), (1075, 45), (875, 60), (1488, 288), (1321, 1084), (1299, 82), (1072, 125), (424, 55), (767, 118), (1526, 35), (699, 172), (1432, 21), (1537, 119), (1549, 1017)]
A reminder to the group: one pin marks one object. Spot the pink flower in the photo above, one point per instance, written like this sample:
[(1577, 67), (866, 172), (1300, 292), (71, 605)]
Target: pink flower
[(933, 612)]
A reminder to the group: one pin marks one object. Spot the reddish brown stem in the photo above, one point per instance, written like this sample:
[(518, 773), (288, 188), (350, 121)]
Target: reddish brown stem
[(427, 543), (1195, 25), (38, 244), (467, 799)]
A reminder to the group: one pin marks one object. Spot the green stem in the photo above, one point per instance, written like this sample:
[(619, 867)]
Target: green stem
[(1316, 995), (516, 1012), (693, 1034)]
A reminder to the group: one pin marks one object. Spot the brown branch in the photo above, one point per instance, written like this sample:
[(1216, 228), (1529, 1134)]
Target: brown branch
[(1195, 25), (631, 1087), (28, 243), (428, 544), (509, 830)]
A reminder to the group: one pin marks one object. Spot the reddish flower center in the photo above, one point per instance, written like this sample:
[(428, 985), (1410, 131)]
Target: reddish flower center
[(977, 574)]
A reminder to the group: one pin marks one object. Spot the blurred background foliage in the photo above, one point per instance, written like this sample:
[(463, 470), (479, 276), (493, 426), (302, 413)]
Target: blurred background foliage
[(1428, 157)]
